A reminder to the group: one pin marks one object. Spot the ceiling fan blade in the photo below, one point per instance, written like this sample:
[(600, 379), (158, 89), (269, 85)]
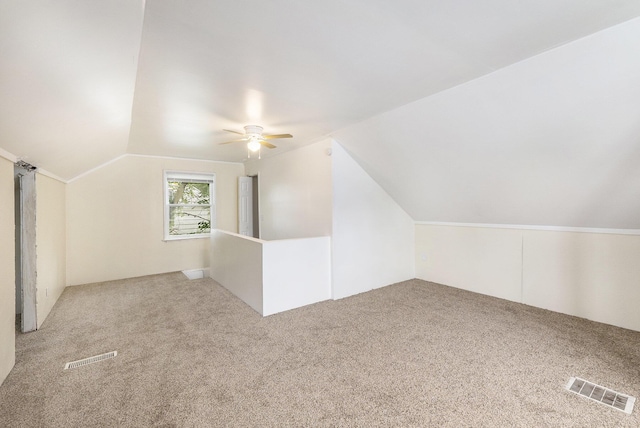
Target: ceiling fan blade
[(234, 141), (272, 137), (235, 132), (268, 145)]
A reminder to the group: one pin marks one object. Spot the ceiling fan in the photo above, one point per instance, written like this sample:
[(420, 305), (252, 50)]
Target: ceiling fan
[(254, 138)]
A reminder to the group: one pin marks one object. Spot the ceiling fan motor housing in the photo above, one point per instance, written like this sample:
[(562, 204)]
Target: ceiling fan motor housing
[(253, 129)]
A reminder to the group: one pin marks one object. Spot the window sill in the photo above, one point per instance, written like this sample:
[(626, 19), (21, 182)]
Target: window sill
[(184, 237)]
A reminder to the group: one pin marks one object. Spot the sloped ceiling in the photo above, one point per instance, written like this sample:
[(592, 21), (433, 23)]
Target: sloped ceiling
[(552, 140), (67, 79), (492, 112)]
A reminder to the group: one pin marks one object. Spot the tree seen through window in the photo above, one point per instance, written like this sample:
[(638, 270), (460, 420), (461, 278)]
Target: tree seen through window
[(189, 207)]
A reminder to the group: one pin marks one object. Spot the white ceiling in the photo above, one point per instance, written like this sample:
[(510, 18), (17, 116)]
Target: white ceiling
[(67, 79), (83, 82), (553, 140)]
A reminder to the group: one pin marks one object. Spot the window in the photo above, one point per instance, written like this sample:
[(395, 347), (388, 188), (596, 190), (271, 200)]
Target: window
[(189, 205)]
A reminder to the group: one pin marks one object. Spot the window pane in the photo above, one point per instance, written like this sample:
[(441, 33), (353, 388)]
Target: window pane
[(189, 220), (183, 192)]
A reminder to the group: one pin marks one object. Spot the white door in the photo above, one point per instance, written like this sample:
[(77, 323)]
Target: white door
[(245, 206)]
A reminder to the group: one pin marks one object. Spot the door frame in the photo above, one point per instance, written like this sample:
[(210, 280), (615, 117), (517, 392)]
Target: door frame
[(245, 206), (26, 261)]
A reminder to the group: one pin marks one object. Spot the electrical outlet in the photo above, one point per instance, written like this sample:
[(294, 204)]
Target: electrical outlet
[(423, 257)]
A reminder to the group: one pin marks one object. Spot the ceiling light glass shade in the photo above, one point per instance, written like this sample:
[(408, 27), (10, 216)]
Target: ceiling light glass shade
[(253, 145)]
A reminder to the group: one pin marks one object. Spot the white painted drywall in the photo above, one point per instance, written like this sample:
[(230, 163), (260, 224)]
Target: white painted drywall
[(295, 192), (487, 261), (272, 276), (296, 272), (115, 219), (551, 140), (69, 75), (372, 242), (593, 276), (50, 243), (7, 267), (590, 275), (236, 264)]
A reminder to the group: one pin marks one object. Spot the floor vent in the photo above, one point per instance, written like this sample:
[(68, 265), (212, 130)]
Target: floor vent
[(601, 394), (90, 360)]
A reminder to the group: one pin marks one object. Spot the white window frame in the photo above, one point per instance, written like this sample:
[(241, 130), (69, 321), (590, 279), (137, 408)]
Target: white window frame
[(189, 176)]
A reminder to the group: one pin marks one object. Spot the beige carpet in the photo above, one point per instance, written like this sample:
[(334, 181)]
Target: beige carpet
[(411, 354)]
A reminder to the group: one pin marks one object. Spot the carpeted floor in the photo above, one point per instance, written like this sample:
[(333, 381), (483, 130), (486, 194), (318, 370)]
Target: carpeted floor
[(411, 354)]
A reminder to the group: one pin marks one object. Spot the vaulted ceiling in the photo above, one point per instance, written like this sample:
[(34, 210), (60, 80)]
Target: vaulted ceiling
[(489, 112)]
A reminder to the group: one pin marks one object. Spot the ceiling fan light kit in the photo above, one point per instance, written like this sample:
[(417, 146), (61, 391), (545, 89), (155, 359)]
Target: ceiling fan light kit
[(254, 145)]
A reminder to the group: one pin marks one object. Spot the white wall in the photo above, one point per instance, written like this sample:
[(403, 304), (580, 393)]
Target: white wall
[(591, 275), (295, 192), (306, 193), (50, 243), (115, 219), (7, 269), (272, 276), (236, 263), (487, 261), (373, 238), (296, 273)]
